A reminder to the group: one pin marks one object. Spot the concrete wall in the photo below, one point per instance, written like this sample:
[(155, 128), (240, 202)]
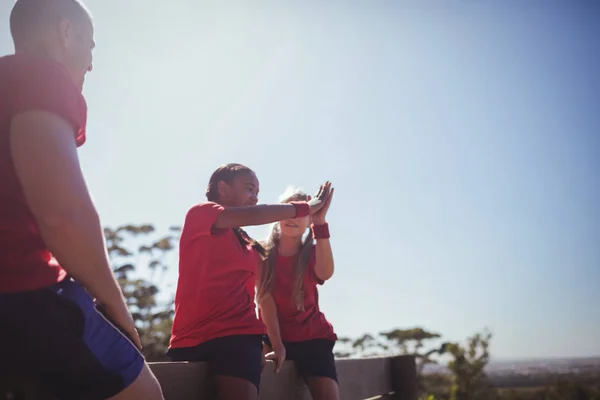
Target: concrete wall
[(359, 379)]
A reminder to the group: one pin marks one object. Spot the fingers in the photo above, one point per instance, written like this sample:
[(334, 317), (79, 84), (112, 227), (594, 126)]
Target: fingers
[(319, 191), (135, 337), (323, 191), (273, 357), (328, 202), (326, 191), (278, 358)]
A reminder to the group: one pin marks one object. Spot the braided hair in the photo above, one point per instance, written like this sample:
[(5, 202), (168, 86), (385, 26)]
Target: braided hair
[(226, 173)]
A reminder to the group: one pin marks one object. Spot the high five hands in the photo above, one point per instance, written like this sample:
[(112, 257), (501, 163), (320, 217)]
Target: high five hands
[(319, 205)]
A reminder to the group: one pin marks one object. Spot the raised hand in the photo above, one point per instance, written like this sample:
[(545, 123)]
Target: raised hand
[(317, 202), (318, 218)]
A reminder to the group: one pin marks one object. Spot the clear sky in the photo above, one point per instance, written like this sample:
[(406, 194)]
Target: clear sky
[(463, 142)]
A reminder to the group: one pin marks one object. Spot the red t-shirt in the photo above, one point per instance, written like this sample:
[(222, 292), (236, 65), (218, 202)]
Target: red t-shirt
[(30, 83), (296, 325), (216, 284)]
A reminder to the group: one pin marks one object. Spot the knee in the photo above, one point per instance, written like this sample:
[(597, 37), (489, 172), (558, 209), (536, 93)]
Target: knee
[(152, 385), (145, 386)]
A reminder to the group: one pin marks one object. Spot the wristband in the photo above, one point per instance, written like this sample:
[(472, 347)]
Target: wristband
[(321, 231), (302, 208)]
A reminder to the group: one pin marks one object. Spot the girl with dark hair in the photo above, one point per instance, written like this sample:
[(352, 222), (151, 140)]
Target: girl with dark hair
[(288, 298), (215, 314)]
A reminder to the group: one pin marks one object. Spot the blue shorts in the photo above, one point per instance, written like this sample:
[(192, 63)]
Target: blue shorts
[(56, 337)]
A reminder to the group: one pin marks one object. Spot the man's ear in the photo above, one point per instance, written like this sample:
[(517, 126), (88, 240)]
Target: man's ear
[(65, 31)]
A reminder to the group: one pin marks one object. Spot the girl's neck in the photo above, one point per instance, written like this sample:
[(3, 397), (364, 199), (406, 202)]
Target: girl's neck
[(289, 246)]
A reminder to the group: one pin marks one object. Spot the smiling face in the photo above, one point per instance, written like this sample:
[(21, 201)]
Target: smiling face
[(295, 227), (242, 190)]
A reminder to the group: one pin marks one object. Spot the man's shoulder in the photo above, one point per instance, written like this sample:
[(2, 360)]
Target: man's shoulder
[(31, 82), (9, 61), (8, 68), (28, 67)]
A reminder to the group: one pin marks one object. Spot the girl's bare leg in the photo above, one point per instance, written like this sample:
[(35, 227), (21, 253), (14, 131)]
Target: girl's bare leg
[(323, 388), (232, 388)]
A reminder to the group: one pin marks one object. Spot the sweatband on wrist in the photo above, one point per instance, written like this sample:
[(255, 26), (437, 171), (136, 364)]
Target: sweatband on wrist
[(321, 231), (302, 208)]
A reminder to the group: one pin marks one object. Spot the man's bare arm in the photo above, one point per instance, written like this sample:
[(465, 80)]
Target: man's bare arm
[(45, 157)]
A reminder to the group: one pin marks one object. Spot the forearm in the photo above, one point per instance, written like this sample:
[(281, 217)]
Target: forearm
[(324, 265), (268, 312), (234, 217), (77, 242)]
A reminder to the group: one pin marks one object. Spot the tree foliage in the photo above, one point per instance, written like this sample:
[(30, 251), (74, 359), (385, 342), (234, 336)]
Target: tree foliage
[(133, 248), (467, 368), (398, 342)]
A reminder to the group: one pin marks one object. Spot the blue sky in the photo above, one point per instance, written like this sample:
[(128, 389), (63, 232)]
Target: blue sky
[(462, 138)]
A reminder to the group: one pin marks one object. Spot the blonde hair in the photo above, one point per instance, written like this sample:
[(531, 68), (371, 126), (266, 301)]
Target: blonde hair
[(266, 280)]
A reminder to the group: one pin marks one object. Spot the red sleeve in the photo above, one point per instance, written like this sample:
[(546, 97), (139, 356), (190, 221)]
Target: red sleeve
[(201, 218), (312, 262), (46, 85)]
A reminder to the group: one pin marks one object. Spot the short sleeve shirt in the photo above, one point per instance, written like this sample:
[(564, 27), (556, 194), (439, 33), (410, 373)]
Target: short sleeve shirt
[(30, 83), (216, 284)]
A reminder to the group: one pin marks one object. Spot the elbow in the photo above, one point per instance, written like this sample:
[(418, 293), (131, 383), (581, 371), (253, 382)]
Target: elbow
[(265, 300), (326, 273), (328, 276)]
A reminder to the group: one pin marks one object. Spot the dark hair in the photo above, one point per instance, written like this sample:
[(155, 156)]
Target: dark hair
[(226, 173), (27, 16)]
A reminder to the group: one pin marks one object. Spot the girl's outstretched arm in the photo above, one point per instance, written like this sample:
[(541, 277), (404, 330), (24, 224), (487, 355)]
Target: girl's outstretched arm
[(235, 217)]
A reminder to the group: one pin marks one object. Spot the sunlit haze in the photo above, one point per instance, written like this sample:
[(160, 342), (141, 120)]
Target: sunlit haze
[(462, 138)]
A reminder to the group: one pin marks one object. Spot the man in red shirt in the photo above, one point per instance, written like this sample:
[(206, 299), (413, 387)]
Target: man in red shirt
[(53, 259)]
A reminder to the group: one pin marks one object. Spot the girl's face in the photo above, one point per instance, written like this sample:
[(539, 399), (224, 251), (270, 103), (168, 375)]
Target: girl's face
[(242, 191), (295, 227)]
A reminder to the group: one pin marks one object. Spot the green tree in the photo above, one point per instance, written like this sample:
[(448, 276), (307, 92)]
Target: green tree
[(411, 342), (131, 248), (401, 342), (469, 381)]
